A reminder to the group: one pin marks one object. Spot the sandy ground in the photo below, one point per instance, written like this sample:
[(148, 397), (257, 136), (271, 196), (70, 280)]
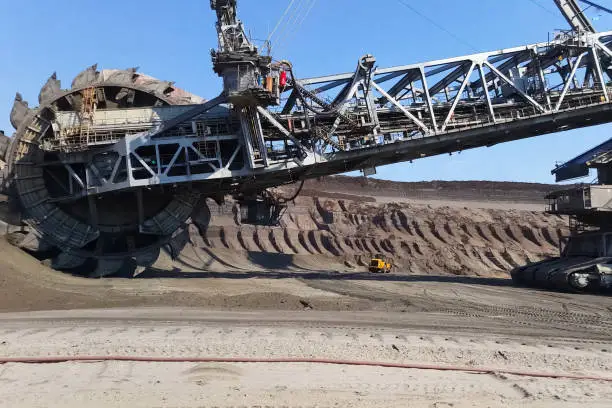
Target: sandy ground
[(370, 336), (300, 291), (444, 320)]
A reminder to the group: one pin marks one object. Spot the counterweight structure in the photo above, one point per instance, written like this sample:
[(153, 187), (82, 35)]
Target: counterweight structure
[(110, 170)]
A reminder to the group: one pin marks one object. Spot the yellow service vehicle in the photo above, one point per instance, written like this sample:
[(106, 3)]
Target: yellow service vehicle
[(379, 264)]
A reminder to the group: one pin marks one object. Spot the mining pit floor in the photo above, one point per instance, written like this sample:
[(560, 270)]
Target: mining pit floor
[(464, 336)]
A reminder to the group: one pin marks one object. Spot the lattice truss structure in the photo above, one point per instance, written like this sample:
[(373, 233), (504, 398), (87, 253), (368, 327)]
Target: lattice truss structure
[(351, 121), (158, 150)]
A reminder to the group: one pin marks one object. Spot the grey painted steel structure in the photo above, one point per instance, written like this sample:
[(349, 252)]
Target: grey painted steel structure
[(254, 136), (404, 113)]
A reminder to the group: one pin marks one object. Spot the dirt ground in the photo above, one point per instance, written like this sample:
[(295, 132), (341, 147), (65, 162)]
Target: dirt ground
[(436, 339), (301, 291), (462, 228), (441, 320)]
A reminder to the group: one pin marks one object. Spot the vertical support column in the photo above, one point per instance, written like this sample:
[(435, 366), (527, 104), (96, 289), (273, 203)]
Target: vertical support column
[(259, 136), (370, 104), (568, 82), (434, 123), (158, 158), (485, 89), (458, 97), (187, 164), (600, 73), (543, 81), (247, 139)]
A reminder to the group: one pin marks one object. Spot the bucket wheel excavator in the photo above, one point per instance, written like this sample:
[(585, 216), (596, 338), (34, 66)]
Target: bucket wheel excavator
[(51, 163), (107, 172)]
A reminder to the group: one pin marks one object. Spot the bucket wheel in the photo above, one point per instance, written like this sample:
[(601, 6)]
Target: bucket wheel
[(97, 235)]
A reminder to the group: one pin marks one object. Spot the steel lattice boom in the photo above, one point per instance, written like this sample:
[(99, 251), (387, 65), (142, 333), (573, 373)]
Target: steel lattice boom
[(163, 149)]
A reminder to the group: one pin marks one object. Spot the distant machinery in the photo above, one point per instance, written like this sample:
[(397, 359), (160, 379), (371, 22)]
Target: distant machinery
[(110, 170), (585, 258)]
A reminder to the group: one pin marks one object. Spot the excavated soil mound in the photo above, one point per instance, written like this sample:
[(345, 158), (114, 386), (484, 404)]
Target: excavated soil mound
[(341, 230)]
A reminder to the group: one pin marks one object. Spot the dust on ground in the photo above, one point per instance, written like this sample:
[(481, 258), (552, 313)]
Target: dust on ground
[(302, 290), (357, 336)]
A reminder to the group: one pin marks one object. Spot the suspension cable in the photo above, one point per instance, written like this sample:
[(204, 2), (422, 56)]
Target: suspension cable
[(434, 23), (280, 20), (284, 200), (546, 9), (296, 9), (309, 5), (291, 22)]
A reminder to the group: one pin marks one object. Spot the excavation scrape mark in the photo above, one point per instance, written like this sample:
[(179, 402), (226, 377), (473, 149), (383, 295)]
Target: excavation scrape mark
[(406, 247), (288, 241), (302, 241), (480, 232), (434, 230), (257, 241), (548, 237), (241, 240), (417, 229), (448, 230), (223, 237), (313, 242), (509, 259), (272, 239), (529, 234)]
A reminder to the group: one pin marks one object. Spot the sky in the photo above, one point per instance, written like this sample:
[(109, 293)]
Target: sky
[(172, 41)]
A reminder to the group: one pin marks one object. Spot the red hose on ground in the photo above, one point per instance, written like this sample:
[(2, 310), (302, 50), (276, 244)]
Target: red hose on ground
[(47, 360)]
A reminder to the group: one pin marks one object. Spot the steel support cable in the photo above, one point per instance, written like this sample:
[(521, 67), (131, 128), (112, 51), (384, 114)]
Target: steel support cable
[(308, 11), (439, 26), (597, 6), (288, 360), (294, 15), (298, 24), (294, 24), (280, 20), (549, 11), (284, 200)]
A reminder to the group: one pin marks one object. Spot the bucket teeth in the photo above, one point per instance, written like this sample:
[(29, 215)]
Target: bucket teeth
[(86, 77), (120, 76), (107, 267), (50, 90), (113, 90), (20, 111), (179, 241), (147, 258), (66, 260), (201, 216), (32, 242), (157, 87)]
